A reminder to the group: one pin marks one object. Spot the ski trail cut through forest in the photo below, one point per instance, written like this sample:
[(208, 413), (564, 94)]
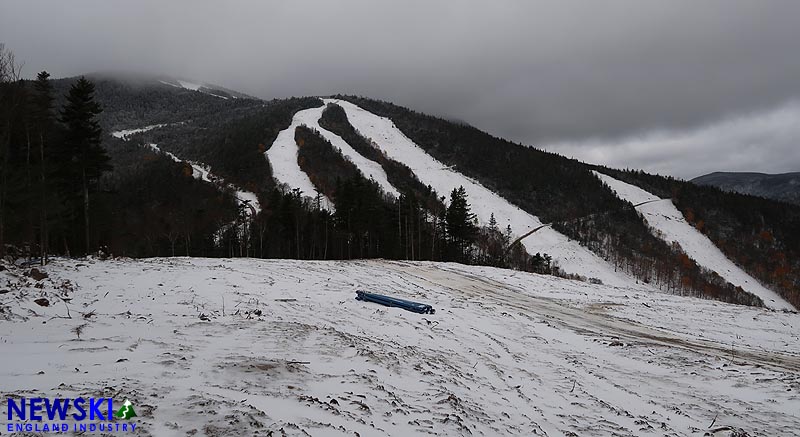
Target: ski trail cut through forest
[(667, 223), (568, 254)]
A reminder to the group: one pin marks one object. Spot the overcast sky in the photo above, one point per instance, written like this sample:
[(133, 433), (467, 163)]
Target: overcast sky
[(676, 87)]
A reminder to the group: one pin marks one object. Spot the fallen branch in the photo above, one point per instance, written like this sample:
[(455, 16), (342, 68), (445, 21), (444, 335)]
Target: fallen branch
[(713, 421)]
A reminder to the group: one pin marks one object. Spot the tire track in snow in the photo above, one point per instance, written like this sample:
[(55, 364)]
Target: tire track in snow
[(491, 361), (591, 323)]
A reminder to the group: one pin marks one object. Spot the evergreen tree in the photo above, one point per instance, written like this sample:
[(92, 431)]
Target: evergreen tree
[(82, 145), (460, 221), (492, 223)]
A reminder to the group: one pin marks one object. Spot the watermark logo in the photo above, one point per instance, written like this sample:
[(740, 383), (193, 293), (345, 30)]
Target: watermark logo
[(82, 415), (126, 412)]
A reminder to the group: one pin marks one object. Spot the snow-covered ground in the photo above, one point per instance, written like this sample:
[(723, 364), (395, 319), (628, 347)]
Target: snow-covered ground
[(669, 224), (570, 255), (245, 347)]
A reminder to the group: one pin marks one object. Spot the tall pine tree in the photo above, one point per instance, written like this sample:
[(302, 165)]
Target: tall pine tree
[(82, 145), (461, 227)]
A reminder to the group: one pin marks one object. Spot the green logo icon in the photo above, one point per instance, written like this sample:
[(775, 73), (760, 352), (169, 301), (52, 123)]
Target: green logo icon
[(126, 412)]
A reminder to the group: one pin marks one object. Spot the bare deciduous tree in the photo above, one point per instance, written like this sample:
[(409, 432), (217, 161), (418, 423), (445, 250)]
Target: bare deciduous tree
[(10, 73)]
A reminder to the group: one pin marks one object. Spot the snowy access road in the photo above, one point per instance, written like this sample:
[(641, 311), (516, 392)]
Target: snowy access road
[(126, 133), (253, 347), (569, 254), (668, 223)]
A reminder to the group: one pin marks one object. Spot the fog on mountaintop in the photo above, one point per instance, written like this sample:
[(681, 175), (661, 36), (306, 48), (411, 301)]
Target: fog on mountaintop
[(681, 88)]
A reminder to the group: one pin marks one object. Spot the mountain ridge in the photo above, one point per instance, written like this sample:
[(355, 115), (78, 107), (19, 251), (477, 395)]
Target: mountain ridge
[(784, 187)]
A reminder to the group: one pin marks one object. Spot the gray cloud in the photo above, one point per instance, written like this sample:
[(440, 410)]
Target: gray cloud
[(580, 77), (764, 141)]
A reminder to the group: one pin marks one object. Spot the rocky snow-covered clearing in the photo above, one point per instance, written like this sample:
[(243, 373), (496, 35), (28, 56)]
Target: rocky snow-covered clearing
[(281, 347)]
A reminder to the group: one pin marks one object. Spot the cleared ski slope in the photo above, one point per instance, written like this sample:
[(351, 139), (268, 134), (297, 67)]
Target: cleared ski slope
[(282, 156), (669, 224), (370, 168), (570, 255), (239, 347)]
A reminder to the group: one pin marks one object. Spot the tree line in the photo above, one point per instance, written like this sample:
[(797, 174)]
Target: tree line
[(52, 160)]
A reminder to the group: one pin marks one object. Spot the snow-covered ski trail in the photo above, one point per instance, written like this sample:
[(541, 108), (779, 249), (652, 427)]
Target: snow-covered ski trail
[(370, 169), (283, 156), (570, 255), (669, 224)]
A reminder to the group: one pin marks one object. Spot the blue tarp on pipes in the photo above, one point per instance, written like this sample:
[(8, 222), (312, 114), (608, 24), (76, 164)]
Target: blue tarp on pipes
[(407, 305)]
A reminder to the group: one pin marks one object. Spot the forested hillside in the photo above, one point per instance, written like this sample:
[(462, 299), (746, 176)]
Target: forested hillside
[(138, 101), (149, 206), (232, 143)]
